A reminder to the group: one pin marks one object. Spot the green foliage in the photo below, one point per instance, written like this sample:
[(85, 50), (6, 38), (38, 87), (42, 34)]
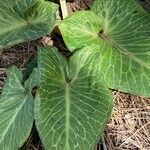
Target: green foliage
[(117, 37), (72, 107), (110, 48), (16, 109), (24, 20)]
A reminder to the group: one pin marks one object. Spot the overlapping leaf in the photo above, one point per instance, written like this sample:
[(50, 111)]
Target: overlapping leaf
[(71, 108), (23, 20), (16, 110), (117, 36)]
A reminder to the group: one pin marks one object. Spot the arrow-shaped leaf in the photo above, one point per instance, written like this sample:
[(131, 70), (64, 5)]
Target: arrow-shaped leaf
[(71, 108), (117, 38), (16, 110), (24, 20)]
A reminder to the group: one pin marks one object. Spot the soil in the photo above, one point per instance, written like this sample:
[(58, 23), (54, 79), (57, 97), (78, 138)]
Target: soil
[(129, 126)]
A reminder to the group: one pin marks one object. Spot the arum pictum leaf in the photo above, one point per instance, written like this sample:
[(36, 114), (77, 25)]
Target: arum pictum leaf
[(16, 109), (71, 108), (117, 37), (25, 20)]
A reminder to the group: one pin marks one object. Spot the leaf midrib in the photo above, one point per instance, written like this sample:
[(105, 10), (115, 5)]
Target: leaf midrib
[(124, 51), (19, 25), (13, 27), (67, 100), (13, 118)]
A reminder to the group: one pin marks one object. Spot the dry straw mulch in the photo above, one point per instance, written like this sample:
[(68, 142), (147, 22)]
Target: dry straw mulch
[(129, 126)]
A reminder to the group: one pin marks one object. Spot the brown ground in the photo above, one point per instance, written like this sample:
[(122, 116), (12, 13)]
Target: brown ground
[(129, 126)]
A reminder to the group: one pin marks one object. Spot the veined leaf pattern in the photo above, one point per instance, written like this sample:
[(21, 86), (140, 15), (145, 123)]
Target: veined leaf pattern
[(117, 36), (16, 110), (24, 20), (71, 107)]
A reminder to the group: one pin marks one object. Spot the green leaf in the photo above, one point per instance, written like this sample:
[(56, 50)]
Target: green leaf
[(16, 110), (117, 37), (25, 20), (32, 64), (71, 108)]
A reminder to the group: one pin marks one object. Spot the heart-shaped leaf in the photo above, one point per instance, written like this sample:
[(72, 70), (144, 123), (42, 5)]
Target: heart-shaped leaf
[(24, 20), (71, 108), (117, 36), (16, 110)]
